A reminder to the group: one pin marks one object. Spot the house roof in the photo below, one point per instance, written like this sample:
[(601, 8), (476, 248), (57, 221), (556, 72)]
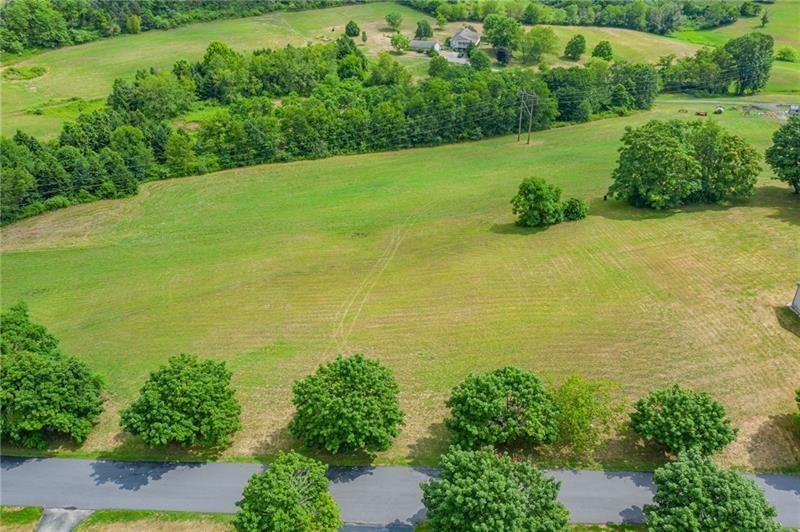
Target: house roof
[(468, 34), (420, 43)]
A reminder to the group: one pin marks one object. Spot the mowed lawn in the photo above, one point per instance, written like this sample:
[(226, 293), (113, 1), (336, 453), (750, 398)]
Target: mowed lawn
[(88, 71), (413, 257)]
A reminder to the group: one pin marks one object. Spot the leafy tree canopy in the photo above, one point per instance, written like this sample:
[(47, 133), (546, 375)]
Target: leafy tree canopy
[(502, 31), (603, 51), (665, 164), (352, 29), (188, 401), (350, 404), (575, 48), (424, 30), (784, 154), (480, 490), (752, 55), (290, 496), (681, 419), (44, 392), (693, 493), (502, 406), (537, 203), (587, 414)]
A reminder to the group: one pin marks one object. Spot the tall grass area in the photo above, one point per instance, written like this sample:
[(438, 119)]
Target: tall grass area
[(413, 257)]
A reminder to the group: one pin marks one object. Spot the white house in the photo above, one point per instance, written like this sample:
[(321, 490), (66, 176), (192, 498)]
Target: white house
[(420, 45), (464, 38)]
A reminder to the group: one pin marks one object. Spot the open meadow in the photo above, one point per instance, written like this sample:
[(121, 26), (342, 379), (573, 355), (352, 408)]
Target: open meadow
[(413, 257)]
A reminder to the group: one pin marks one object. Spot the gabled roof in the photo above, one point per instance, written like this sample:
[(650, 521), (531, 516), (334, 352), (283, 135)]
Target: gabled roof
[(468, 34), (422, 43)]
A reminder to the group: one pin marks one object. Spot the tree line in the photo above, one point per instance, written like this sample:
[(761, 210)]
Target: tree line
[(34, 24), (654, 17), (288, 104), (352, 405)]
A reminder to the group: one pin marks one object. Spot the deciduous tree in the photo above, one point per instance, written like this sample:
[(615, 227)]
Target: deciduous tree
[(575, 48), (502, 31), (784, 154), (681, 419), (290, 496), (394, 20), (189, 402), (603, 51), (350, 404), (480, 490), (424, 30), (44, 392), (537, 203), (693, 493), (503, 406)]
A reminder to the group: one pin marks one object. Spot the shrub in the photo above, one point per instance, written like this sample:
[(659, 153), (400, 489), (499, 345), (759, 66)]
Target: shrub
[(587, 414), (291, 495), (575, 48), (788, 54), (784, 154), (575, 209), (503, 55), (479, 490), (603, 51), (56, 202), (188, 401), (692, 493), (502, 406), (537, 203), (350, 404), (681, 419), (352, 29), (44, 392)]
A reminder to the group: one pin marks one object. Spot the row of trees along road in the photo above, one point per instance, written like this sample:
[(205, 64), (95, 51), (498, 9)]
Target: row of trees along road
[(352, 404)]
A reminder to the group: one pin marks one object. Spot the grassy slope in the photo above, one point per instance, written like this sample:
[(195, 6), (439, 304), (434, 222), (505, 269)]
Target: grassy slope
[(413, 257), (784, 26), (87, 71)]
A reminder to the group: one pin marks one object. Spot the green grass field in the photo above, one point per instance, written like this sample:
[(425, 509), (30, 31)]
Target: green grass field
[(413, 257), (783, 26)]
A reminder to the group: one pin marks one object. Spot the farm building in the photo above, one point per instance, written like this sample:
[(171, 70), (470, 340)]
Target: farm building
[(419, 45), (795, 304), (464, 38)]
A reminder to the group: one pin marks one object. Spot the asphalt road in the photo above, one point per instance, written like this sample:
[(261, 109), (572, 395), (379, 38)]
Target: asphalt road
[(379, 497)]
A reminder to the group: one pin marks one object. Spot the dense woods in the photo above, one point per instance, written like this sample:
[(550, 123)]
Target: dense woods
[(287, 104), (654, 17), (32, 24)]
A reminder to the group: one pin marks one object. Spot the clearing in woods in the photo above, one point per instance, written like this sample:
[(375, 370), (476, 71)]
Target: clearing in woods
[(413, 257)]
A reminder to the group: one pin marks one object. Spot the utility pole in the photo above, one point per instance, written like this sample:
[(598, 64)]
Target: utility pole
[(527, 102)]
